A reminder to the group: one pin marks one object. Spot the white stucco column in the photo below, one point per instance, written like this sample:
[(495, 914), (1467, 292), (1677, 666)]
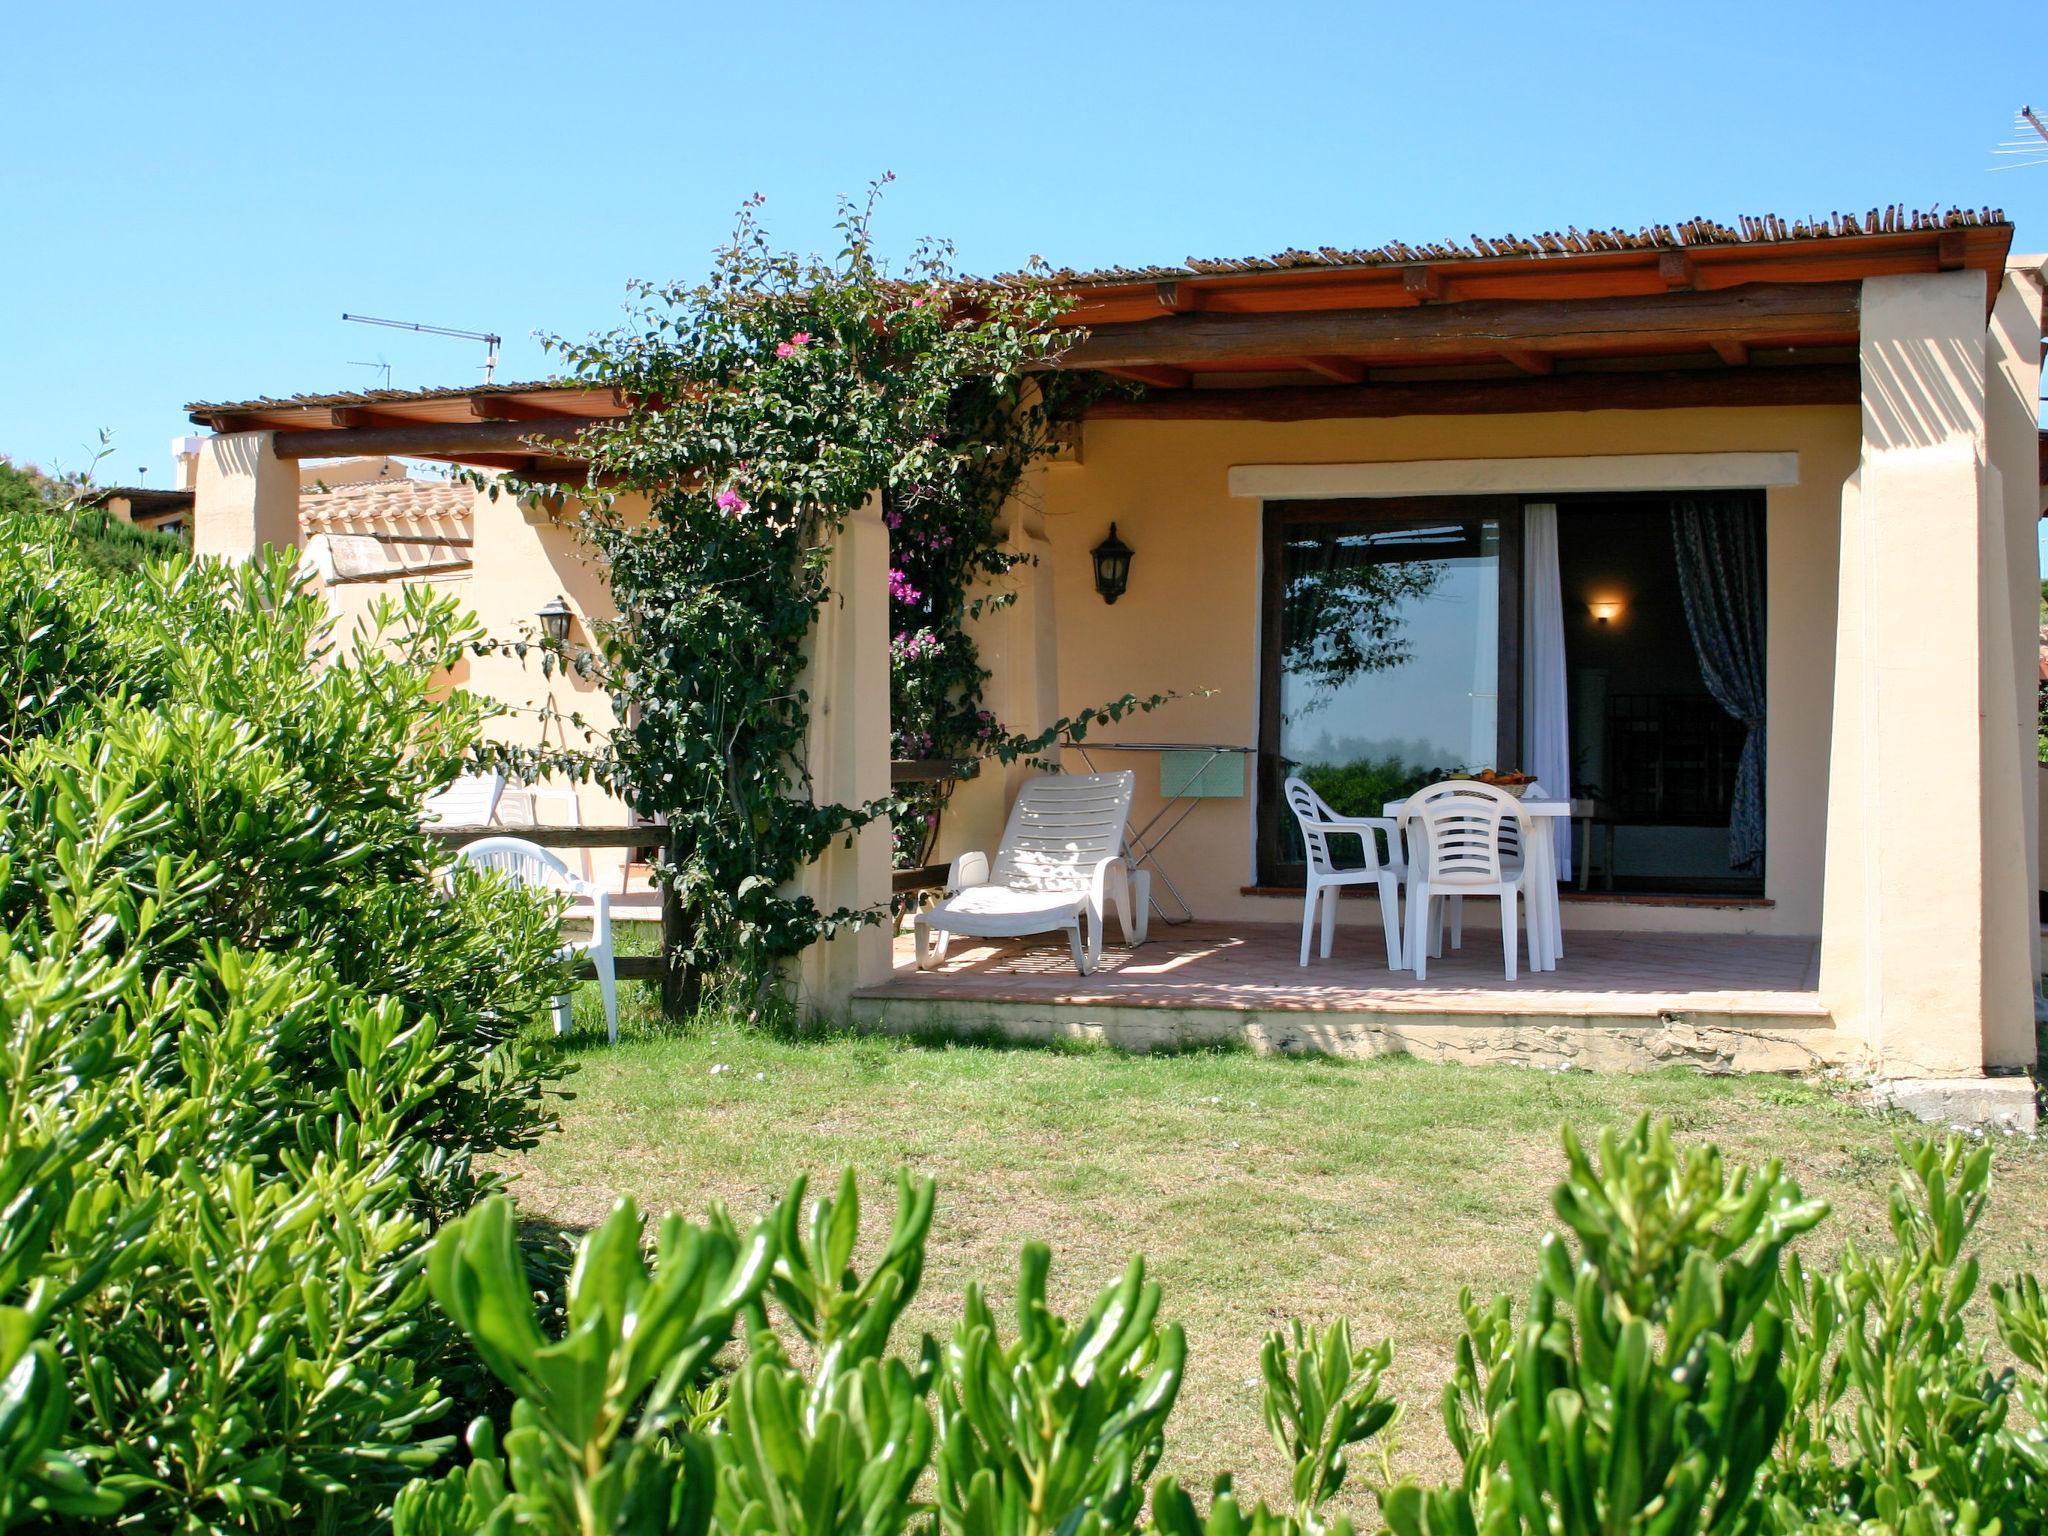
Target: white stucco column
[(847, 752), (2012, 432), (1925, 924), (245, 497)]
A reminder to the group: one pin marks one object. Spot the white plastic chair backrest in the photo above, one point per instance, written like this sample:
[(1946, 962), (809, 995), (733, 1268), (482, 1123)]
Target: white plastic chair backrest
[(1062, 826), (528, 863), (471, 801), (1461, 822), (1313, 813)]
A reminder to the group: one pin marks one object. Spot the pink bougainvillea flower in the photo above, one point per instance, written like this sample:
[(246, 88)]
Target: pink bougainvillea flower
[(732, 502), (917, 303), (784, 349)]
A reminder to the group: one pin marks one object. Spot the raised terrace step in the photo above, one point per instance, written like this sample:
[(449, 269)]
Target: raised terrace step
[(1617, 1001)]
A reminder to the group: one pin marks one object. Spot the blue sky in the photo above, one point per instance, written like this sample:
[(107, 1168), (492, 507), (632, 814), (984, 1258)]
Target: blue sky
[(194, 195)]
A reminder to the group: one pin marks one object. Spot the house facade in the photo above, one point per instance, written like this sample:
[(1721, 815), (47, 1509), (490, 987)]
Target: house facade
[(1728, 535)]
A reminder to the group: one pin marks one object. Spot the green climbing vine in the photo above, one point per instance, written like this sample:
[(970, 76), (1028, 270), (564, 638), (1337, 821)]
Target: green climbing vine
[(766, 405)]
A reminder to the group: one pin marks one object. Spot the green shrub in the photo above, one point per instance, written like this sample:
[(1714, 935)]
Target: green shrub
[(253, 1051), (1903, 1419), (1363, 787), (1640, 1389), (1660, 1382)]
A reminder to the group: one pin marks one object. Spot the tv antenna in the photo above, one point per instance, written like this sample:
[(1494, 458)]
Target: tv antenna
[(380, 363), (2030, 148), (491, 342)]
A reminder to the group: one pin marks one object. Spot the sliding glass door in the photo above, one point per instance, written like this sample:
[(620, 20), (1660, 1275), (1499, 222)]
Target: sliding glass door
[(1391, 652)]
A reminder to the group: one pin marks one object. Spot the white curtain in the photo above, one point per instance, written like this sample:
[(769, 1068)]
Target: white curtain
[(1546, 724)]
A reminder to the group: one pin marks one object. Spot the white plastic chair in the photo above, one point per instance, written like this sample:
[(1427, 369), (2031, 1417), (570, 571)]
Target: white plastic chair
[(531, 864), (1455, 831), (1326, 881), (471, 801), (1061, 858), (520, 806)]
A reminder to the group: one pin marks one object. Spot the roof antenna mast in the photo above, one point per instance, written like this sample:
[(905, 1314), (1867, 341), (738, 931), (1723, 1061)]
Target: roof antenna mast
[(2024, 150), (491, 342)]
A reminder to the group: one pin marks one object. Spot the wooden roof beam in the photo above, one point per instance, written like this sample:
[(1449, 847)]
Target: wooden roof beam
[(1537, 363), (1676, 269), (507, 408), (1160, 377), (1831, 384), (1732, 352), (1764, 314), (350, 416), (432, 440), (1423, 285), (1339, 370)]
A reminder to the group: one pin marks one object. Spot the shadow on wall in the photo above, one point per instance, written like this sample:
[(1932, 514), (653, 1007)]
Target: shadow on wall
[(1923, 393)]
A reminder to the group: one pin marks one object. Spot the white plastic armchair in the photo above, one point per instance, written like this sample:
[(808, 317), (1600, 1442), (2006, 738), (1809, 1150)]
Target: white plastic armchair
[(1061, 859), (1326, 881), (470, 801), (1467, 839), (531, 864)]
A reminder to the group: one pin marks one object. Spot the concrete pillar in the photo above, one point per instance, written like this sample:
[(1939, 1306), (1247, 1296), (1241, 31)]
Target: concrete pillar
[(245, 497), (1923, 944), (847, 754)]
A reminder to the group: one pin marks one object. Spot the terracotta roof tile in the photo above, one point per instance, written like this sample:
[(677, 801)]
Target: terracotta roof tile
[(389, 506)]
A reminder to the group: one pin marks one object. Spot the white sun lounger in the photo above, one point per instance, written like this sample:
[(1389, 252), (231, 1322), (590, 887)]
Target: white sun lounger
[(1062, 856)]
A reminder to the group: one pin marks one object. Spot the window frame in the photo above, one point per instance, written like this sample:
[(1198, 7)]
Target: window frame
[(1278, 519)]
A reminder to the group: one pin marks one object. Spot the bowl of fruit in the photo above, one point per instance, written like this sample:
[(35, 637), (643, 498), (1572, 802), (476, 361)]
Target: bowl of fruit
[(1507, 780)]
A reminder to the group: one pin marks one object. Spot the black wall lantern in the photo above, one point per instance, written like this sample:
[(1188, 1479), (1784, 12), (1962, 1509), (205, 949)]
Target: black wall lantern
[(1112, 566), (554, 620)]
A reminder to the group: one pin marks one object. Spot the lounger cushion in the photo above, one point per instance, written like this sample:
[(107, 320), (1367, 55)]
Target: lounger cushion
[(1001, 911)]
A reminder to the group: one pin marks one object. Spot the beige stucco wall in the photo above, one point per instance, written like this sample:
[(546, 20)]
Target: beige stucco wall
[(522, 557), (1190, 619)]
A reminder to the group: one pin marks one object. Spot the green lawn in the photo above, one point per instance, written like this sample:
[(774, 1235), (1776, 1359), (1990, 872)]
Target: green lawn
[(1257, 1188)]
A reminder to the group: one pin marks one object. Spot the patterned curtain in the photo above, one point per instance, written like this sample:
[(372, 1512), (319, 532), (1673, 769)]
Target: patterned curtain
[(1720, 542)]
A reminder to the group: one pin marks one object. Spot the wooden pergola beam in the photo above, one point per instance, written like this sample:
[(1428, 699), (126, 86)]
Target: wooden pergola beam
[(1534, 363), (505, 408), (437, 440), (1159, 377), (349, 417), (1340, 370), (1763, 314), (1832, 384)]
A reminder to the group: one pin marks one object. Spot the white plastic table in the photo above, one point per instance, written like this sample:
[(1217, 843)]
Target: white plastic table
[(1539, 849)]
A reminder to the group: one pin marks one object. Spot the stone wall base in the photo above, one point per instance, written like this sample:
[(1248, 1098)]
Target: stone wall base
[(1709, 1042), (1985, 1103)]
